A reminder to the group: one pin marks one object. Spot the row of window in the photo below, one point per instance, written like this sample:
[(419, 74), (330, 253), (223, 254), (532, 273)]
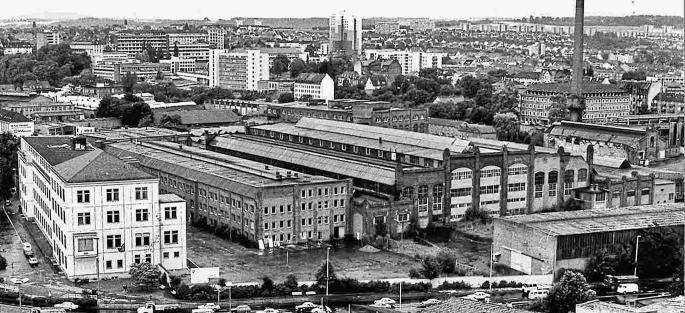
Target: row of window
[(114, 216), (111, 195), (304, 193)]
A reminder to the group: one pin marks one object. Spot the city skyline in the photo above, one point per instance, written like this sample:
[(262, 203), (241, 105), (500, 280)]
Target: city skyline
[(308, 8)]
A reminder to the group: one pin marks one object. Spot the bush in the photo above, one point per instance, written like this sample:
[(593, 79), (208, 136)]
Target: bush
[(430, 268), (476, 215), (457, 285), (485, 285), (290, 282), (3, 263), (447, 261), (414, 273)]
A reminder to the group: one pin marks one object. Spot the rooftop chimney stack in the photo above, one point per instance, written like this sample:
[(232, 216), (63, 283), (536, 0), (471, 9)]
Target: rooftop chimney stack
[(575, 101)]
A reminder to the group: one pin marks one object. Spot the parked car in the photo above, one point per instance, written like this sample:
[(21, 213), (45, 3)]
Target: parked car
[(210, 305), (242, 308), (429, 302), (479, 296), (67, 306), (381, 305), (8, 202), (33, 261), (628, 288), (385, 301), (271, 310), (538, 294), (28, 249)]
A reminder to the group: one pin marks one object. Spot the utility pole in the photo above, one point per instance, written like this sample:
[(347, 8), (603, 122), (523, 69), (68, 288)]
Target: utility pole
[(492, 247), (400, 295), (637, 245), (328, 250)]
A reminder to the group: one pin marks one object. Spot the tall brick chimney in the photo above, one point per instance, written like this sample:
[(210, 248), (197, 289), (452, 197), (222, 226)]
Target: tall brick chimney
[(575, 101)]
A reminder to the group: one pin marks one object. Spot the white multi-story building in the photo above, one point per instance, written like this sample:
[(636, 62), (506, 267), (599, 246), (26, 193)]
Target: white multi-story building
[(17, 50), (318, 86), (240, 70), (87, 48), (47, 38), (345, 34), (15, 123), (99, 214), (216, 37), (180, 64), (411, 61)]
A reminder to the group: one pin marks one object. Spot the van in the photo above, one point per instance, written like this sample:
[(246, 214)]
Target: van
[(538, 294), (627, 288)]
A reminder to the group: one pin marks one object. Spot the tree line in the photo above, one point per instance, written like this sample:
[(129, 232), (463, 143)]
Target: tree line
[(51, 63)]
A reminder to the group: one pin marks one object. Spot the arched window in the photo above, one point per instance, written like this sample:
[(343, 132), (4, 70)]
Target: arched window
[(539, 181), (552, 179)]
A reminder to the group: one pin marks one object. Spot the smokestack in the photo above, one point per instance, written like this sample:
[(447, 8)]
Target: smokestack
[(575, 102), (578, 32)]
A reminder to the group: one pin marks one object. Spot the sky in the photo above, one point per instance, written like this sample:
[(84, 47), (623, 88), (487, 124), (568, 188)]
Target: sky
[(439, 9)]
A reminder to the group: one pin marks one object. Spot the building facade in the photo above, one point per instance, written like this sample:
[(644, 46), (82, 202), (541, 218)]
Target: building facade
[(98, 222), (238, 70), (261, 202), (47, 38), (15, 123), (410, 61), (345, 33), (604, 103), (315, 86), (387, 27)]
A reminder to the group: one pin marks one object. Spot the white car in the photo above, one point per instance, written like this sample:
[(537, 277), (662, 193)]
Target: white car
[(385, 301), (628, 288), (33, 261), (211, 306), (271, 310), (28, 250), (15, 280), (429, 302), (242, 308), (67, 306), (479, 296), (306, 305), (381, 305)]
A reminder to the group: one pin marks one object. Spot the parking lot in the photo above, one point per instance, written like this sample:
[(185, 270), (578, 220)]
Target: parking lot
[(11, 248)]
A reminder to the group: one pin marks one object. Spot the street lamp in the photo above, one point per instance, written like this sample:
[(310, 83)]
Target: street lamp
[(637, 245), (229, 285), (328, 250)]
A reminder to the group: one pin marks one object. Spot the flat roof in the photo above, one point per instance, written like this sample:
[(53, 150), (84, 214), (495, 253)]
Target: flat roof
[(169, 198), (386, 139), (602, 220), (211, 168), (334, 164)]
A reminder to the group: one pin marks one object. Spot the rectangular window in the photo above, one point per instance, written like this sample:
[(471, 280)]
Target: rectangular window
[(552, 189), (171, 236), (141, 193), (108, 265), (113, 217), (165, 255), (112, 195), (120, 263), (83, 196), (142, 215), (85, 245), (113, 241), (177, 254), (170, 213), (142, 239), (83, 218)]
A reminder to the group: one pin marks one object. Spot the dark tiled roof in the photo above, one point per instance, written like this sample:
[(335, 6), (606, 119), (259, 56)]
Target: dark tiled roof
[(310, 78), (459, 305), (670, 97), (89, 165), (12, 117)]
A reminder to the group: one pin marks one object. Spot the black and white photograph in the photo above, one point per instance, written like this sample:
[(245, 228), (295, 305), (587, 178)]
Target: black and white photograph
[(302, 156)]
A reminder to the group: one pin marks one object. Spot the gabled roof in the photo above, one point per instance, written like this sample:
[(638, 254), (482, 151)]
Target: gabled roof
[(12, 117), (310, 78), (87, 165)]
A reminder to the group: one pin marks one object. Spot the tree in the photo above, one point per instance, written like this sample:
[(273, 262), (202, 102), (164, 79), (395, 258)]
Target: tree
[(605, 262), (281, 64), (507, 126), (9, 145), (430, 267), (267, 285), (145, 274), (291, 282), (286, 97), (571, 289), (634, 75), (659, 253), (447, 261), (174, 119), (129, 81), (558, 110), (176, 53), (3, 263), (297, 67), (320, 275)]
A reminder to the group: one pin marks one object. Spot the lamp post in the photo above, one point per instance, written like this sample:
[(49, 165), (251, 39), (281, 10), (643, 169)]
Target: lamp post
[(492, 247), (229, 285), (328, 250), (637, 245)]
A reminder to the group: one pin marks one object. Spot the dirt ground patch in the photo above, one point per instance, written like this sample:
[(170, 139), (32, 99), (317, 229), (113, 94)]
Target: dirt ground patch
[(239, 264)]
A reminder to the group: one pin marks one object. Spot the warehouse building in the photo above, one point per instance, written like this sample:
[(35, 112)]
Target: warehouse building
[(543, 243), (261, 202), (405, 174)]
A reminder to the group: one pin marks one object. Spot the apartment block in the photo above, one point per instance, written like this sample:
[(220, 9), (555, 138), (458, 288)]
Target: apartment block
[(100, 214), (345, 33), (411, 61), (315, 86), (238, 70)]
